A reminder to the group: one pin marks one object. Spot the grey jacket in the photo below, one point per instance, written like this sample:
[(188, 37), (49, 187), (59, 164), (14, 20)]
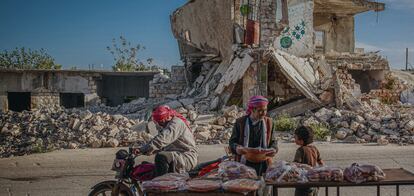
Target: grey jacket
[(177, 138)]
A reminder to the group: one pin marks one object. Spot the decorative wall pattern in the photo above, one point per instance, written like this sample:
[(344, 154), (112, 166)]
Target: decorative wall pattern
[(297, 38)]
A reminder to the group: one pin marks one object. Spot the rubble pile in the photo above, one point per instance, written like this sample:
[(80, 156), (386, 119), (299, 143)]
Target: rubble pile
[(215, 129), (357, 61), (48, 129), (374, 122), (389, 91)]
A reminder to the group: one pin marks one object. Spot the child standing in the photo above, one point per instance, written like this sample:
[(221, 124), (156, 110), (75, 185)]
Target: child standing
[(308, 154)]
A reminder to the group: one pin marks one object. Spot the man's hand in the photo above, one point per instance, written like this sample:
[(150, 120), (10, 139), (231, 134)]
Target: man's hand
[(272, 153), (240, 150), (136, 151)]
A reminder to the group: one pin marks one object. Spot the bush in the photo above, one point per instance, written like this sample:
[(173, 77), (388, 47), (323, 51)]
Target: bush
[(22, 58), (285, 123), (320, 131)]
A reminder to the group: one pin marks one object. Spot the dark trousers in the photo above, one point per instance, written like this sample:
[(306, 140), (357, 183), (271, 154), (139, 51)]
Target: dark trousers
[(306, 191), (163, 163), (259, 167)]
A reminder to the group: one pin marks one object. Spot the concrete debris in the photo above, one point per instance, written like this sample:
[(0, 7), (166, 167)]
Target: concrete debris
[(407, 96), (48, 129), (341, 134), (374, 122), (382, 141)]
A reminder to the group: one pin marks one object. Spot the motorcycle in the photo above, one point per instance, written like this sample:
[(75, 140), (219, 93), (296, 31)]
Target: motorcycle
[(129, 177)]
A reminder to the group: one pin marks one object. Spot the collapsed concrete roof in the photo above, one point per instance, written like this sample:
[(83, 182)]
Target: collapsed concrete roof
[(346, 7), (290, 70)]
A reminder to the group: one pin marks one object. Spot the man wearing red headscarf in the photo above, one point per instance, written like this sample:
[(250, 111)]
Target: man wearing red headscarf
[(174, 145), (254, 130)]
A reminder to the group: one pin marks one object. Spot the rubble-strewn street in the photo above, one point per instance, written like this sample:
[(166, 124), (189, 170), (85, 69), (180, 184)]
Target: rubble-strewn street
[(301, 61), (73, 172)]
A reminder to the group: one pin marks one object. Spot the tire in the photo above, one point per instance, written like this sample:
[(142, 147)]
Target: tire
[(106, 190)]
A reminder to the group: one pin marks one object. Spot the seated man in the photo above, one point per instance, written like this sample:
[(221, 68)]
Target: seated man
[(174, 145), (254, 130)]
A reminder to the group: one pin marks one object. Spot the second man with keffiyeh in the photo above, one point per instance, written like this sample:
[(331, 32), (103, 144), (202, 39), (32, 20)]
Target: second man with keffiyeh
[(254, 130)]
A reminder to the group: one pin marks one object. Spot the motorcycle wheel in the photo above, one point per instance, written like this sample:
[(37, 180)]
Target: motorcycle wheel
[(104, 190)]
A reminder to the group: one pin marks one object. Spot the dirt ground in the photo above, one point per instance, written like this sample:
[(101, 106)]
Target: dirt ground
[(73, 172)]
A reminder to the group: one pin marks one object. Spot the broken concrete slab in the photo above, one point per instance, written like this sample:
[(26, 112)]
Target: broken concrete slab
[(235, 72), (407, 96), (174, 104), (293, 75), (295, 108), (205, 119)]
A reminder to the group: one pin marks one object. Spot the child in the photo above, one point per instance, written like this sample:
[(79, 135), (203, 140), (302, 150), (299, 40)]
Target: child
[(308, 154)]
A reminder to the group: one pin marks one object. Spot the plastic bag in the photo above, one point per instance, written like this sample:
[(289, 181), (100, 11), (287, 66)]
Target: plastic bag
[(325, 174), (241, 185), (173, 177), (233, 170), (200, 185), (283, 171), (363, 173), (163, 186)]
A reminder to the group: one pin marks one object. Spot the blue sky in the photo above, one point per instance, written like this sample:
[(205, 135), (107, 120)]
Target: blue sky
[(391, 35), (76, 32)]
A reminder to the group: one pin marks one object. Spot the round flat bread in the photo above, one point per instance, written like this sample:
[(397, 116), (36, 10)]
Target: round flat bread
[(241, 185), (172, 177), (203, 185), (162, 185)]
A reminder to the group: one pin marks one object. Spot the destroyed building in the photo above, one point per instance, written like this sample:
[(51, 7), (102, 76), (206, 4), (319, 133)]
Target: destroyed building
[(30, 89), (299, 53)]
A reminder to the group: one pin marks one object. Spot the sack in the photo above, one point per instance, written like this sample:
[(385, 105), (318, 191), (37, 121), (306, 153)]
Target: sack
[(283, 171), (143, 172), (359, 173)]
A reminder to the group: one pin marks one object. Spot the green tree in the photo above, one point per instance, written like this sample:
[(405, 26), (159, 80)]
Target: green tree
[(126, 56), (22, 58)]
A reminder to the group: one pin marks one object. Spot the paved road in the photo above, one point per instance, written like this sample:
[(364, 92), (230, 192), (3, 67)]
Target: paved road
[(73, 172)]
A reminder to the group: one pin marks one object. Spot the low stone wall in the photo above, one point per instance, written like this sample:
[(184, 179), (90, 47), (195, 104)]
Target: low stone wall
[(161, 90), (40, 100), (162, 85)]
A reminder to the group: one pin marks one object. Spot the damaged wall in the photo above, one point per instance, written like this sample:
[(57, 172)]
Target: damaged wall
[(297, 39), (206, 25), (162, 86), (279, 87), (338, 32), (268, 27), (45, 86), (368, 80)]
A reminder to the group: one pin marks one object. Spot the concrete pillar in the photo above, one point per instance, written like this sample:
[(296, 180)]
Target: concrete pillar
[(267, 19), (340, 35), (250, 85)]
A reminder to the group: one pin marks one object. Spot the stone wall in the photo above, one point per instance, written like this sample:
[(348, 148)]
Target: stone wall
[(297, 38), (338, 32), (178, 73), (279, 86), (162, 86), (46, 99), (45, 86), (267, 22)]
